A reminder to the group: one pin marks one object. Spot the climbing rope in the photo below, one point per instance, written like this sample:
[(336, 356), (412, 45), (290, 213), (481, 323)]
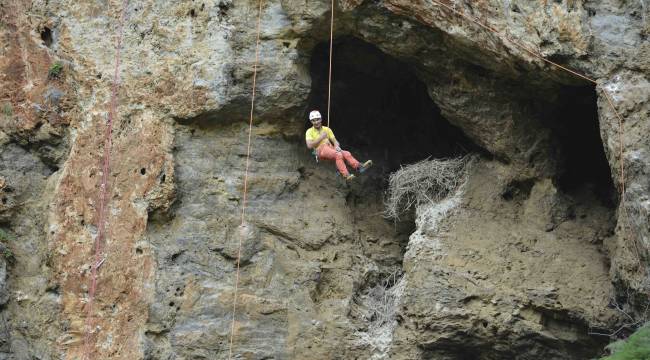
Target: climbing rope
[(329, 81), (608, 97), (103, 187), (243, 208)]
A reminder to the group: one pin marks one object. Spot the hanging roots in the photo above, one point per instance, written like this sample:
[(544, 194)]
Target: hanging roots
[(427, 180), (378, 305)]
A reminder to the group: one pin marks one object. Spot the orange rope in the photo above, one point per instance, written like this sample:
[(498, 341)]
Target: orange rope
[(329, 83), (248, 155), (541, 57)]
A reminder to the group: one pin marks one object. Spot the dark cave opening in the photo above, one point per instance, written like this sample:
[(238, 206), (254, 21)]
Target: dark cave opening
[(584, 165), (46, 36), (379, 106), (381, 110)]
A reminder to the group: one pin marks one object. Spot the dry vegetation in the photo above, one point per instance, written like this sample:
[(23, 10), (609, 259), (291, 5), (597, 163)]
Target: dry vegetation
[(425, 181), (378, 305)]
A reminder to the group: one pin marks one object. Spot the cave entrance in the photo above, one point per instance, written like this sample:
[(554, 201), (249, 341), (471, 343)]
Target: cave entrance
[(380, 111), (379, 107), (584, 166)]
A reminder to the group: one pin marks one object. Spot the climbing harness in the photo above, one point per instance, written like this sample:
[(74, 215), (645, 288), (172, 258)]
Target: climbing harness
[(248, 155), (103, 188)]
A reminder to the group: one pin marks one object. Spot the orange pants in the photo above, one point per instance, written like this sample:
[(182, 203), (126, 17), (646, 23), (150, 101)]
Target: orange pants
[(327, 152)]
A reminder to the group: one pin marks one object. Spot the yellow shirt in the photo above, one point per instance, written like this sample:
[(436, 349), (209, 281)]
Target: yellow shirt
[(313, 134)]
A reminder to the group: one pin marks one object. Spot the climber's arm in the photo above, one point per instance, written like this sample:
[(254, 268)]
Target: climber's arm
[(337, 146), (333, 140), (313, 142)]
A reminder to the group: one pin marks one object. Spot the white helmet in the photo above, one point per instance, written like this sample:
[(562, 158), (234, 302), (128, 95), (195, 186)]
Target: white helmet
[(314, 115)]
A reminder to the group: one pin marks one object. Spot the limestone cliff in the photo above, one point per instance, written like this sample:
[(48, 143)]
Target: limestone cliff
[(536, 256)]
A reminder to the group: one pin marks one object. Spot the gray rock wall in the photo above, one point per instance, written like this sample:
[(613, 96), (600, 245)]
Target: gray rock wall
[(315, 247)]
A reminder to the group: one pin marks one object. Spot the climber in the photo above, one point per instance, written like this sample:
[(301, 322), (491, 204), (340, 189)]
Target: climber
[(321, 140)]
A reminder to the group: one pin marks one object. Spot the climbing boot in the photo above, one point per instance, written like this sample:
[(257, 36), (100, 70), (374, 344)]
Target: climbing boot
[(349, 178), (365, 166)]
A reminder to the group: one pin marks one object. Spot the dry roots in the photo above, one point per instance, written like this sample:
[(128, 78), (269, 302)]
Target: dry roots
[(427, 180), (378, 305)]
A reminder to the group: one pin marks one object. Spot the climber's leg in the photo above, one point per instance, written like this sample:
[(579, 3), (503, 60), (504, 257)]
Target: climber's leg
[(354, 163), (327, 152)]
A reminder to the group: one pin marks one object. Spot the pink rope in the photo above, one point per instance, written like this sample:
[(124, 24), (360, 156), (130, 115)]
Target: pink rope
[(103, 188)]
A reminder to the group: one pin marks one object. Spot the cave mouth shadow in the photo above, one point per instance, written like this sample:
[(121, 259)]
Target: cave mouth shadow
[(584, 169), (379, 107), (381, 110)]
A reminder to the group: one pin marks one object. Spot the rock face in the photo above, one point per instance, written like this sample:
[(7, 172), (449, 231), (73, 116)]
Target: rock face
[(526, 260)]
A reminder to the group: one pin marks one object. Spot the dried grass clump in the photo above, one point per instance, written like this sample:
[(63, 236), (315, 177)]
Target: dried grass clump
[(427, 180), (378, 305)]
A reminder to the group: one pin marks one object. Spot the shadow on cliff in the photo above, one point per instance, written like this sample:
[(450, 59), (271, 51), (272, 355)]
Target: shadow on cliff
[(380, 108)]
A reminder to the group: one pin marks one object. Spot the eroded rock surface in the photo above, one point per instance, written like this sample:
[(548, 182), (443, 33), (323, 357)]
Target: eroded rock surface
[(516, 263), (510, 279)]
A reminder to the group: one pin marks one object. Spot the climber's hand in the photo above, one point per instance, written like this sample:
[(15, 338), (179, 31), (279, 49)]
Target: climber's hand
[(322, 136)]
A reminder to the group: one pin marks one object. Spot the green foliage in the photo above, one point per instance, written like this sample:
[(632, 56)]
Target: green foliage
[(55, 70), (7, 110), (4, 249), (4, 236), (636, 347), (9, 255)]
